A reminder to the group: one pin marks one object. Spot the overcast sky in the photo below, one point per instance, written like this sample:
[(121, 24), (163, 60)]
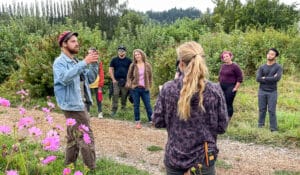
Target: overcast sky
[(161, 5)]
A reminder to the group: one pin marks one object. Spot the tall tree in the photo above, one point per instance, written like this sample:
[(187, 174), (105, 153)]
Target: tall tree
[(98, 13), (268, 13), (227, 13), (129, 21)]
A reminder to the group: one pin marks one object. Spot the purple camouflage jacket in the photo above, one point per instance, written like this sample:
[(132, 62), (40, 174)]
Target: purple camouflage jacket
[(184, 146)]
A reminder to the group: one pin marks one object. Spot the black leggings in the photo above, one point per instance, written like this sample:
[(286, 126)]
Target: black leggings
[(229, 96)]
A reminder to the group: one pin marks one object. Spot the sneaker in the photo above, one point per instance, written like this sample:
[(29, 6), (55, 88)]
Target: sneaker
[(138, 125), (100, 115)]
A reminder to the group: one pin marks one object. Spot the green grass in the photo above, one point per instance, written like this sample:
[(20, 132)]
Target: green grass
[(154, 148), (243, 125), (283, 172), (32, 153)]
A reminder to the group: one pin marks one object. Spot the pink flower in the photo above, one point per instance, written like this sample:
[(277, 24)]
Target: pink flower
[(71, 122), (83, 128), (49, 119), (51, 143), (60, 128), (25, 122), (67, 171), (21, 81), (34, 131), (78, 173), (22, 92), (51, 105), (86, 138), (46, 110), (52, 133), (5, 129), (4, 102), (22, 111), (48, 160), (11, 172)]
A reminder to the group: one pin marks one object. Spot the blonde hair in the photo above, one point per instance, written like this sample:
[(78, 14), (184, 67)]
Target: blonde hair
[(195, 75), (144, 56)]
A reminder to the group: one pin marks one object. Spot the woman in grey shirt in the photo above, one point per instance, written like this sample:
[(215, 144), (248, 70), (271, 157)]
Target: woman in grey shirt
[(193, 110)]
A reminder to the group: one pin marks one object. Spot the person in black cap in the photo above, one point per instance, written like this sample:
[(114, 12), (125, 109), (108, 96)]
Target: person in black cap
[(118, 70), (71, 79)]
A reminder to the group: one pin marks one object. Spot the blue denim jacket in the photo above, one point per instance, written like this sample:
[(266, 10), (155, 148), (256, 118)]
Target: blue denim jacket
[(66, 74)]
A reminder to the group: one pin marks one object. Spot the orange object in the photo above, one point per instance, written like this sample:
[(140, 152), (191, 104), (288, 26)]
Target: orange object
[(206, 153)]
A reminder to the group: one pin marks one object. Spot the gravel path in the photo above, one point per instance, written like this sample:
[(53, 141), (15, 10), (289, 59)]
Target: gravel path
[(120, 141)]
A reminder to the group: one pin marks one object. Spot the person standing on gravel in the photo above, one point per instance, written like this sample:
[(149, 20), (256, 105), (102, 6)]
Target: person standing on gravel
[(118, 70), (193, 110), (267, 76), (139, 80), (71, 76)]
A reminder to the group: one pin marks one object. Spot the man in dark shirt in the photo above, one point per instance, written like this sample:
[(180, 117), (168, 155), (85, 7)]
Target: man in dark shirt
[(118, 70), (268, 75)]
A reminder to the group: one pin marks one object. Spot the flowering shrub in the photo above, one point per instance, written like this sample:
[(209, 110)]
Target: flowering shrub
[(27, 150)]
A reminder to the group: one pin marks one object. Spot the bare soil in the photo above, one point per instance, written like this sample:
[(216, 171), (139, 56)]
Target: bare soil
[(120, 141)]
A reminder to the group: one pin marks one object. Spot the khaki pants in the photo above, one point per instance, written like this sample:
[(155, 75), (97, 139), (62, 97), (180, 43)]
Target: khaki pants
[(116, 94), (75, 142)]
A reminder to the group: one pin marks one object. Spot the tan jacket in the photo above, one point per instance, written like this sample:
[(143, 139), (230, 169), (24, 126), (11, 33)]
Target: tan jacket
[(133, 76)]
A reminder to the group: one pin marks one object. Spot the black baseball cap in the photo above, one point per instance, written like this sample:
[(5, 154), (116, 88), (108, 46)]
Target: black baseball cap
[(121, 47)]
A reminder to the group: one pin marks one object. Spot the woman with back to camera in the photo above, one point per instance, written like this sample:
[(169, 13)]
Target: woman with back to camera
[(193, 110)]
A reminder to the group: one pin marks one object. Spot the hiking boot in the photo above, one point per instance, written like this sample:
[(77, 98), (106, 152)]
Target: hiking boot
[(100, 115)]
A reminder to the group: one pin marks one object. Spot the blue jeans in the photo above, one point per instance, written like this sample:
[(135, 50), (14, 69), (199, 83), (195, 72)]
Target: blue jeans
[(136, 94), (267, 100), (99, 103)]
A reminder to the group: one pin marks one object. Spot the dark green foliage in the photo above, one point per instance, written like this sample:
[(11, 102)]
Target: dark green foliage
[(103, 14), (12, 42), (173, 14), (130, 20), (258, 14)]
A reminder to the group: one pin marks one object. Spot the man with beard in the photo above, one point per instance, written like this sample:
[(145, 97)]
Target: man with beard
[(118, 70), (268, 75), (71, 78)]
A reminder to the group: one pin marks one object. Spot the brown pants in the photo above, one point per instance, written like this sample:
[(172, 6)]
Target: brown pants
[(75, 140)]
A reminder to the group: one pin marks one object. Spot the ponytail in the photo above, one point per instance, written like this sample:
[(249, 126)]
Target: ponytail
[(195, 75)]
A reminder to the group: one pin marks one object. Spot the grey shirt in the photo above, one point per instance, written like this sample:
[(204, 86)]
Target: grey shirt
[(184, 147), (272, 74)]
